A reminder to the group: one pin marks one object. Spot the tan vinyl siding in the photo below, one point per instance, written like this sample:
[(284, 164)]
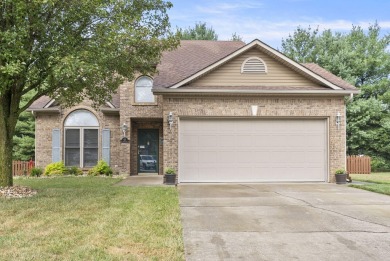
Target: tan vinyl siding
[(230, 74)]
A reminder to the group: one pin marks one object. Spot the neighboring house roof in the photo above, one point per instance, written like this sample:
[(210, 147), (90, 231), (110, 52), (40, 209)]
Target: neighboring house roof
[(195, 58)]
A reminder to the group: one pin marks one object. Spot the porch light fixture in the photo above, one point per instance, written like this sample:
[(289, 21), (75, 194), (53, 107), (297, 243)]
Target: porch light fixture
[(338, 120), (254, 110), (170, 119), (124, 129)]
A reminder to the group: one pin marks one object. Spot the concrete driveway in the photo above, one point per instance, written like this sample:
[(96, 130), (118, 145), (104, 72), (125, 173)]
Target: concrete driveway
[(284, 222)]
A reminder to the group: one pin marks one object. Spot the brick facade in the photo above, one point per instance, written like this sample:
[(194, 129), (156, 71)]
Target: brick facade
[(124, 156), (274, 107), (204, 79)]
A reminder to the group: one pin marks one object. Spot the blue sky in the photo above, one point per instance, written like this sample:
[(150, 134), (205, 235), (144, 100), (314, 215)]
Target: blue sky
[(272, 20)]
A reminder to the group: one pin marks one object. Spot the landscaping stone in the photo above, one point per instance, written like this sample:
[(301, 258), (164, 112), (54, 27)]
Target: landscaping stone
[(17, 192)]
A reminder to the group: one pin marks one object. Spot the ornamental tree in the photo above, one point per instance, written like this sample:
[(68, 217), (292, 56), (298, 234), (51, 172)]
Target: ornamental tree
[(72, 49)]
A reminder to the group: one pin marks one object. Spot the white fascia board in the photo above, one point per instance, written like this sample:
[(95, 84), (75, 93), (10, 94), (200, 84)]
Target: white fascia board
[(109, 104), (268, 49), (49, 103), (224, 91), (44, 110)]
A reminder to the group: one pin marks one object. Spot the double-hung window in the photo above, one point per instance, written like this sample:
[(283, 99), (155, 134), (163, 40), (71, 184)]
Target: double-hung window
[(81, 139)]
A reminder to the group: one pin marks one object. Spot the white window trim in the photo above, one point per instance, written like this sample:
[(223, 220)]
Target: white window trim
[(135, 91), (254, 58), (81, 128)]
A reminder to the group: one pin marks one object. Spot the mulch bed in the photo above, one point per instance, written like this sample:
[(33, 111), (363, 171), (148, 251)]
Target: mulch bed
[(17, 192)]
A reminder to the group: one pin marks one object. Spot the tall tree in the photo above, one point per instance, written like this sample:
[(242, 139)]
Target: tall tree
[(24, 137), (71, 50), (370, 125), (236, 37), (199, 32), (358, 57), (362, 58)]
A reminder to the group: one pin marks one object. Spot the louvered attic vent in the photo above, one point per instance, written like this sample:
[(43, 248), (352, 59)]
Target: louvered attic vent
[(254, 65)]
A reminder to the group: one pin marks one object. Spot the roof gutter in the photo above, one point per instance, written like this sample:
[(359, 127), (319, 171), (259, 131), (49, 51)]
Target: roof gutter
[(109, 110), (53, 110), (224, 91)]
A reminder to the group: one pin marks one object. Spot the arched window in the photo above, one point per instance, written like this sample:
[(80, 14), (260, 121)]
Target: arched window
[(81, 129), (143, 89)]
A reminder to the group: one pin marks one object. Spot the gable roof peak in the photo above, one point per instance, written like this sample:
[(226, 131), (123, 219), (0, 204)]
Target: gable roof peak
[(335, 85)]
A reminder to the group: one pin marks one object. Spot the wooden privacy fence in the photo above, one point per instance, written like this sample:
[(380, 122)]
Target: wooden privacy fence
[(359, 164), (22, 167)]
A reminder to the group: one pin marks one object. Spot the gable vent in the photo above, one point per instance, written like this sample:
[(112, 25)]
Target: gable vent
[(254, 65)]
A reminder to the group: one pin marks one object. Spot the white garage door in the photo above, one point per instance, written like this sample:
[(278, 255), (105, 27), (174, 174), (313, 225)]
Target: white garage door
[(252, 150)]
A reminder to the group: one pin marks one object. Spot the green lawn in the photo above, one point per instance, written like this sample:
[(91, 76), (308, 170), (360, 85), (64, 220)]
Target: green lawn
[(379, 182), (87, 218), (381, 178)]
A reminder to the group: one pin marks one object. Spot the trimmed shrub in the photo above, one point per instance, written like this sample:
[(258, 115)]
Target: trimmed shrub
[(101, 168), (36, 172), (74, 171), (55, 169)]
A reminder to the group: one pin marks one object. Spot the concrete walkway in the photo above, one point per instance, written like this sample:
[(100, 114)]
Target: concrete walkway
[(284, 222)]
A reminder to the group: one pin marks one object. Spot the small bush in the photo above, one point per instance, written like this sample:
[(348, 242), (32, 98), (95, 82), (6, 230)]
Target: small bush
[(74, 171), (55, 169), (101, 168), (170, 171), (36, 172)]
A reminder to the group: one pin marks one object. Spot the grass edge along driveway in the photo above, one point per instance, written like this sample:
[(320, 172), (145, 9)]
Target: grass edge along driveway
[(377, 182), (87, 218)]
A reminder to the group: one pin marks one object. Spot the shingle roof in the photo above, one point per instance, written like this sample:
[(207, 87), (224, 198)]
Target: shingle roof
[(329, 76), (193, 56), (40, 103), (116, 101), (189, 58)]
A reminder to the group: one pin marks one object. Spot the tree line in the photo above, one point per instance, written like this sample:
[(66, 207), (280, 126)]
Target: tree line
[(362, 58)]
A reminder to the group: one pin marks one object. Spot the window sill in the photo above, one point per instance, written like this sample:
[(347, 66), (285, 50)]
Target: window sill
[(145, 104)]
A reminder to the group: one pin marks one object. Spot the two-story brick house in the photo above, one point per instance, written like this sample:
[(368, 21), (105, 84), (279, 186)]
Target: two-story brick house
[(217, 111)]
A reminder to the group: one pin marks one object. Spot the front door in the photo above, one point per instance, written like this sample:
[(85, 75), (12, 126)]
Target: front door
[(148, 150)]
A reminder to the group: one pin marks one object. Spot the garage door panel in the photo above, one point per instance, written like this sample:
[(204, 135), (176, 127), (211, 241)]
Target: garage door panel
[(191, 140), (226, 140), (207, 157), (226, 157), (233, 150), (189, 156), (207, 141)]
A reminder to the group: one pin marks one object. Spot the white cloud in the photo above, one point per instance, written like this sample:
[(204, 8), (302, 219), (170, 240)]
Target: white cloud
[(228, 17), (273, 32), (226, 8)]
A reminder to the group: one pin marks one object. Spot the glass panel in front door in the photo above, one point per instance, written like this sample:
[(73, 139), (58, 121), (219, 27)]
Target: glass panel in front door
[(148, 151)]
